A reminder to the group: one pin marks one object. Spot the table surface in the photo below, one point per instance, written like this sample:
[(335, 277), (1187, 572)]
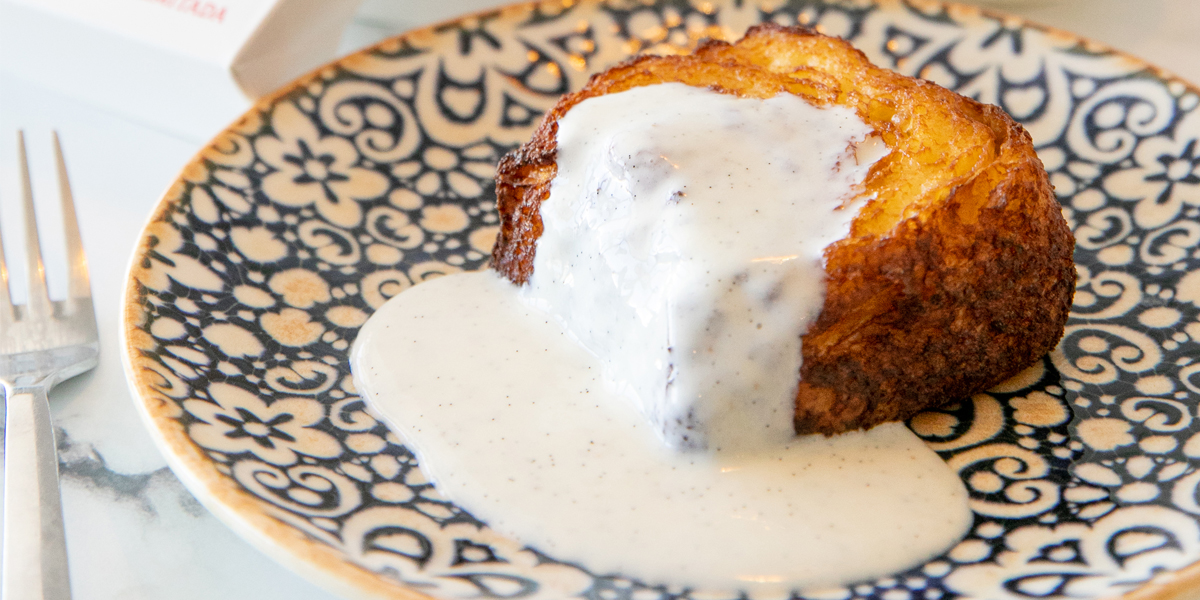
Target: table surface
[(133, 531)]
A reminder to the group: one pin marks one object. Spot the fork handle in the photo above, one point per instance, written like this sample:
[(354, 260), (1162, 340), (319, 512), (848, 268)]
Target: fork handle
[(35, 549)]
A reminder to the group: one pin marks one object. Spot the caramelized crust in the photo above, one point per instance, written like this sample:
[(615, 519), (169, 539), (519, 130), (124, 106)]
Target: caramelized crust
[(957, 272)]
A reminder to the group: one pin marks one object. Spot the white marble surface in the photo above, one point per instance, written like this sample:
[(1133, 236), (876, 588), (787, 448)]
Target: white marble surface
[(134, 532)]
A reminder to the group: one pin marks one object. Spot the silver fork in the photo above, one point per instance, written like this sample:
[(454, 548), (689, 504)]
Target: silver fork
[(42, 343)]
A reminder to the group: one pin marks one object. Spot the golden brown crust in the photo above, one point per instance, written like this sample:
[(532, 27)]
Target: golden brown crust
[(939, 309), (957, 272)]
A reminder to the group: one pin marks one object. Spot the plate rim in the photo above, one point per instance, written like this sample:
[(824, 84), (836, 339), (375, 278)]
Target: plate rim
[(325, 566)]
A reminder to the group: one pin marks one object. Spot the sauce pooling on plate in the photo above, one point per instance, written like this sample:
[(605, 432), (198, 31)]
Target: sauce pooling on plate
[(679, 266), (511, 419)]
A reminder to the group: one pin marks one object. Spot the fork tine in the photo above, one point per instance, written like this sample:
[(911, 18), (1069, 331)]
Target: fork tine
[(78, 285), (39, 298)]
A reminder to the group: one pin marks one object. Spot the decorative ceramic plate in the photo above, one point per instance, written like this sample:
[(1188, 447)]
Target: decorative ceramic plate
[(374, 174)]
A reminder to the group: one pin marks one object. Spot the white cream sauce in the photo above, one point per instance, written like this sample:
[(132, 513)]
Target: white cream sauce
[(509, 417), (544, 412), (683, 247)]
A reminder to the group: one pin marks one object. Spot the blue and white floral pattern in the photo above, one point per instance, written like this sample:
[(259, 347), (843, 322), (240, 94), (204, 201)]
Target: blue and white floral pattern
[(374, 174)]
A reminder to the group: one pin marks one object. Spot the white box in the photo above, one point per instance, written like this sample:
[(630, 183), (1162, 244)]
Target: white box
[(185, 66)]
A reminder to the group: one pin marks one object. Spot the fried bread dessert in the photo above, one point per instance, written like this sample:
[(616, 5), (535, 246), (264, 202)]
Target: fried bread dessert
[(957, 271)]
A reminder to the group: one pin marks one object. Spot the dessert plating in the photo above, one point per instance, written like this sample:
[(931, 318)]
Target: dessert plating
[(957, 271)]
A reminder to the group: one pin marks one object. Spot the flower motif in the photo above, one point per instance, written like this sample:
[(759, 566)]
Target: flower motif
[(482, 80), (443, 173), (300, 288), (1166, 177), (312, 169), (240, 421), (292, 327), (1106, 484)]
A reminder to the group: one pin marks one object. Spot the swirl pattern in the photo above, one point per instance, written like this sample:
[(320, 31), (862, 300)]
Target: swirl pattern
[(375, 174)]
